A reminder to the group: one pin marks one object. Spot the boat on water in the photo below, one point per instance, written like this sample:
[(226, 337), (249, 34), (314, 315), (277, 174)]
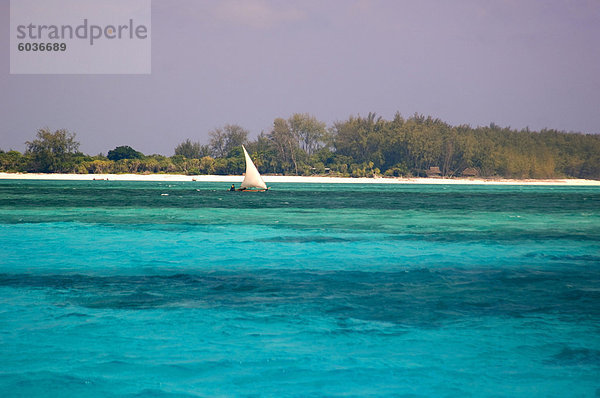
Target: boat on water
[(252, 182)]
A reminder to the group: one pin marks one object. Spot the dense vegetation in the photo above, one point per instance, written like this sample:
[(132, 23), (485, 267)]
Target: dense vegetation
[(358, 147)]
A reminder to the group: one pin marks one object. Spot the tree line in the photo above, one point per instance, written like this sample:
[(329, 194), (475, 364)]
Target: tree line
[(357, 147)]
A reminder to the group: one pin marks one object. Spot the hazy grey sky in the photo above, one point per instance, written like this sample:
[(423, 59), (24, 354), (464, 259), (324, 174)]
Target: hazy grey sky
[(516, 63)]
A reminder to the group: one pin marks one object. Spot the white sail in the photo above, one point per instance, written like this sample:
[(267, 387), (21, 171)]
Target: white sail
[(252, 179)]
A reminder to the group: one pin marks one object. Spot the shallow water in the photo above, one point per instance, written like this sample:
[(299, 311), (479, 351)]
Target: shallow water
[(184, 289)]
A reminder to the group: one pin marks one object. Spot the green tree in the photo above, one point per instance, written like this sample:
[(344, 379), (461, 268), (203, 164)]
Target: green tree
[(224, 140), (11, 161), (308, 130), (100, 166), (363, 139), (236, 164), (124, 152), (263, 154), (207, 165), (52, 152), (192, 150), (285, 143)]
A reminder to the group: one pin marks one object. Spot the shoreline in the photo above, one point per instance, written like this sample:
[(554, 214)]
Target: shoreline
[(298, 179)]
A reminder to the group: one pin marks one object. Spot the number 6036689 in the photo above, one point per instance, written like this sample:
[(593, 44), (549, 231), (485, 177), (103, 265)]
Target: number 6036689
[(42, 47)]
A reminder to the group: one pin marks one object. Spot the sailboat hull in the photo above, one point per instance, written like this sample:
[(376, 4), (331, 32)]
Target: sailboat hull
[(252, 190)]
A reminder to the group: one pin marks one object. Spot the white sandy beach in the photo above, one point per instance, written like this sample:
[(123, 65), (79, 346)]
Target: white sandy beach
[(295, 179)]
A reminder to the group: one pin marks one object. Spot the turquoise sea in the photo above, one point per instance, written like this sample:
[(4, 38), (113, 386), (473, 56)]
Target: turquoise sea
[(153, 289)]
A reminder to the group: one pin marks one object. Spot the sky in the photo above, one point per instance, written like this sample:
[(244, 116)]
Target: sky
[(517, 63)]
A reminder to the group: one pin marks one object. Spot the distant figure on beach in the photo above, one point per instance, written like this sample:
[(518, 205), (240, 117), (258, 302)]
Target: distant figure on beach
[(232, 187)]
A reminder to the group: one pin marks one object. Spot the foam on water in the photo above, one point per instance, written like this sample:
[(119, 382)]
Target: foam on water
[(115, 289)]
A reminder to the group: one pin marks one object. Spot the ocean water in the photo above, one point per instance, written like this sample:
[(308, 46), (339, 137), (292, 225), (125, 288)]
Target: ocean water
[(141, 289)]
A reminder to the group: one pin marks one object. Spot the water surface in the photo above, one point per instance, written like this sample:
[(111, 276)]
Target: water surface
[(184, 289)]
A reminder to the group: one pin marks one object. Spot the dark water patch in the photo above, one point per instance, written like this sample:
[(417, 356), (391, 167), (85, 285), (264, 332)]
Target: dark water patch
[(73, 315), (49, 384), (575, 357), (308, 239), (140, 299), (156, 393), (418, 297), (564, 257), (57, 384), (504, 235)]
